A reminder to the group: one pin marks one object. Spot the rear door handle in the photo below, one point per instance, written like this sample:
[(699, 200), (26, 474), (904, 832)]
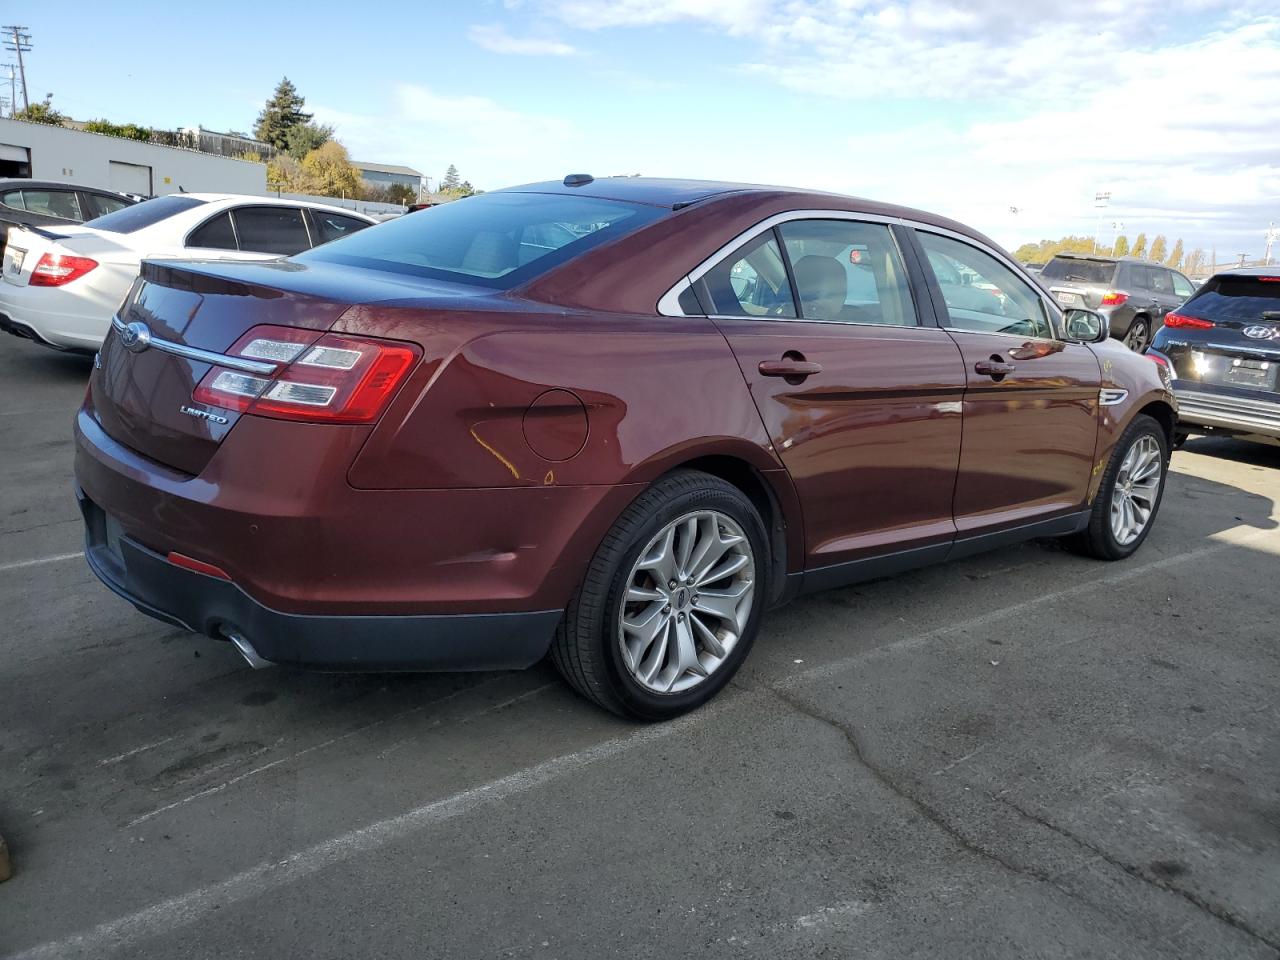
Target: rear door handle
[(993, 368), (792, 370)]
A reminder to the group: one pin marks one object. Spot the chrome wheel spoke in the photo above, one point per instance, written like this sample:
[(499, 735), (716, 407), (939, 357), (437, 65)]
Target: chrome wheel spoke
[(689, 597)]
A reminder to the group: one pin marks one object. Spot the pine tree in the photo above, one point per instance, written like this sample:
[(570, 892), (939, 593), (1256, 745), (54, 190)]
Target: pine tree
[(281, 114), (1175, 258), (1159, 249), (1121, 248), (1140, 246), (451, 180)]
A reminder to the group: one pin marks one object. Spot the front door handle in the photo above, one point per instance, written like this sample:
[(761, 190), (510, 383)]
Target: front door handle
[(993, 368), (793, 367)]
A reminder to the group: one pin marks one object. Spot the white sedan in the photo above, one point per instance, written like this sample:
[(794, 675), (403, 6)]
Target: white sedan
[(62, 286)]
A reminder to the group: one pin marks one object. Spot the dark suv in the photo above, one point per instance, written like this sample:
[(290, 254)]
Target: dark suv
[(1133, 295), (47, 203)]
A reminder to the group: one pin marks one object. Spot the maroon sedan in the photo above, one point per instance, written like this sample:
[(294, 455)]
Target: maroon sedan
[(613, 420)]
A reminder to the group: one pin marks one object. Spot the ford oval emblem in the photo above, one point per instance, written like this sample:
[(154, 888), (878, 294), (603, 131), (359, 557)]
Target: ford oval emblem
[(1259, 332), (136, 337)]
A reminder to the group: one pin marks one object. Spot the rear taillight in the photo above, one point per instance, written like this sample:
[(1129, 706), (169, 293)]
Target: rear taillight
[(55, 269), (329, 377), (1181, 320), (1113, 298)]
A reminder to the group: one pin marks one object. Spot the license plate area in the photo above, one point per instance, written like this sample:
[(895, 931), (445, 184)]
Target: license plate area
[(1067, 299), (1254, 374), (13, 260)]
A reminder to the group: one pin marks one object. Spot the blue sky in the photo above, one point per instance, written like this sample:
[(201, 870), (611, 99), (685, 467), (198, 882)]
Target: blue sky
[(966, 109)]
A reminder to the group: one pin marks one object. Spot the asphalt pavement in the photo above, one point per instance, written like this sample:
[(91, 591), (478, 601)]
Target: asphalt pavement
[(1026, 754)]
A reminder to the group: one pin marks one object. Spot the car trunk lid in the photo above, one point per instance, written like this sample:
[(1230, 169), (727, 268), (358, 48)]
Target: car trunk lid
[(144, 397)]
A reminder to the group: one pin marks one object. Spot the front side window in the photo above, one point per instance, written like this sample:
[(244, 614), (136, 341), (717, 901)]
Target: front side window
[(1182, 286), (52, 203), (750, 282), (99, 206), (1160, 280), (981, 293), (334, 226), (495, 239), (279, 230), (848, 272)]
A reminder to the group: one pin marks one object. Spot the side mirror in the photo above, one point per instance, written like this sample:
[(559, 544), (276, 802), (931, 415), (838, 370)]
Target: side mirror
[(1085, 326)]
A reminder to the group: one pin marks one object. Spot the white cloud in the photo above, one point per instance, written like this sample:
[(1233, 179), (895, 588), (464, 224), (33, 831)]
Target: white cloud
[(494, 38)]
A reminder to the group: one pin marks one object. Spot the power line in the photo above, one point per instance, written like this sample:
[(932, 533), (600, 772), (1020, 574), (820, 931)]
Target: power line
[(19, 41)]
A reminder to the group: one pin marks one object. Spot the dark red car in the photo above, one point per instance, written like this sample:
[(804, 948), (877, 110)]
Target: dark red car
[(613, 419)]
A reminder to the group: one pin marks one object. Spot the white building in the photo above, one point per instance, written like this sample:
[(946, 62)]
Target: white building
[(45, 152)]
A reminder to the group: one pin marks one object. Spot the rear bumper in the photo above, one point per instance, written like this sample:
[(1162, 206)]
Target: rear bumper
[(218, 608), (56, 316), (1228, 412)]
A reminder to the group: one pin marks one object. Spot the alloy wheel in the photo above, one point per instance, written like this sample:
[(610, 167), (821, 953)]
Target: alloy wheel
[(1137, 487), (1137, 337), (688, 599)]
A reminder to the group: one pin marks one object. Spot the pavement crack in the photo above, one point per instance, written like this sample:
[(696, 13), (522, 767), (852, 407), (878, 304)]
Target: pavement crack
[(922, 808), (1214, 910)]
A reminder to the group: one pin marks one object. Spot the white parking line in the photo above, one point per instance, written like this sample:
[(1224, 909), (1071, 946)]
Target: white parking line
[(19, 565), (121, 934), (167, 915)]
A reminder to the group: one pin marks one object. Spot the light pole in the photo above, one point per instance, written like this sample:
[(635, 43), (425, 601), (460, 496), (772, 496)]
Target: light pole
[(1101, 199), (1273, 235)]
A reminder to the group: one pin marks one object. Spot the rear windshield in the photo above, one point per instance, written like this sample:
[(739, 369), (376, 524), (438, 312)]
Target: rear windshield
[(1079, 271), (1236, 298), (494, 239), (144, 214)]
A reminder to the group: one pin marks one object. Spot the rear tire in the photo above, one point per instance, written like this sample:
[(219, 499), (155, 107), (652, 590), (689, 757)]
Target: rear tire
[(638, 646), (1126, 493), (1138, 336)]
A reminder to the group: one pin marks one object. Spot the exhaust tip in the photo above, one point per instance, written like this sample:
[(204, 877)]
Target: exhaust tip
[(250, 655)]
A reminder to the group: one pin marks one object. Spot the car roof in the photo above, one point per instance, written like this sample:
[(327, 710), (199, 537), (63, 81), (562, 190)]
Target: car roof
[(678, 193), (1103, 258), (1271, 271), (13, 183), (271, 202)]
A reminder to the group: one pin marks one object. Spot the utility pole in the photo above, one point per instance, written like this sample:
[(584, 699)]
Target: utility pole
[(19, 41), (1272, 236)]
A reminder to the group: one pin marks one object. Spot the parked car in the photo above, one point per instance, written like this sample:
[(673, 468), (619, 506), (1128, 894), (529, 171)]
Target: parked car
[(1033, 268), (50, 204), (62, 286), (437, 445), (1133, 295), (1223, 349)]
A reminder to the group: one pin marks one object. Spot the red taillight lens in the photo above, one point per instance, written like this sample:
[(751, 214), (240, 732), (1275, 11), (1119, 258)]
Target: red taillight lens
[(1177, 320), (1159, 358), (199, 566), (55, 269), (1113, 298), (330, 377)]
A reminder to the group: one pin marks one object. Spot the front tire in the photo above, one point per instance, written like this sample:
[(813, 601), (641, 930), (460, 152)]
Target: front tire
[(1130, 494), (671, 602)]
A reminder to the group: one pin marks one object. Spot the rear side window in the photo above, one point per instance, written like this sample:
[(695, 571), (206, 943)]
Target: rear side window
[(214, 234), (99, 206), (848, 272), (52, 203), (12, 198), (144, 214), (1079, 271), (1236, 298), (494, 239), (334, 226), (272, 230), (750, 282), (1159, 280)]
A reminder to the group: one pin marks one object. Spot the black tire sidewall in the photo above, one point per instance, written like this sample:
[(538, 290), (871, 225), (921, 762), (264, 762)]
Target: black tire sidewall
[(644, 704)]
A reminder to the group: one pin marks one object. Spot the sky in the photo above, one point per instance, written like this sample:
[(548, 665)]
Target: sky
[(999, 114)]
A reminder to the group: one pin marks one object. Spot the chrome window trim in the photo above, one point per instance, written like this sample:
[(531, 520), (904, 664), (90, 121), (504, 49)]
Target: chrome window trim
[(204, 356), (668, 305)]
